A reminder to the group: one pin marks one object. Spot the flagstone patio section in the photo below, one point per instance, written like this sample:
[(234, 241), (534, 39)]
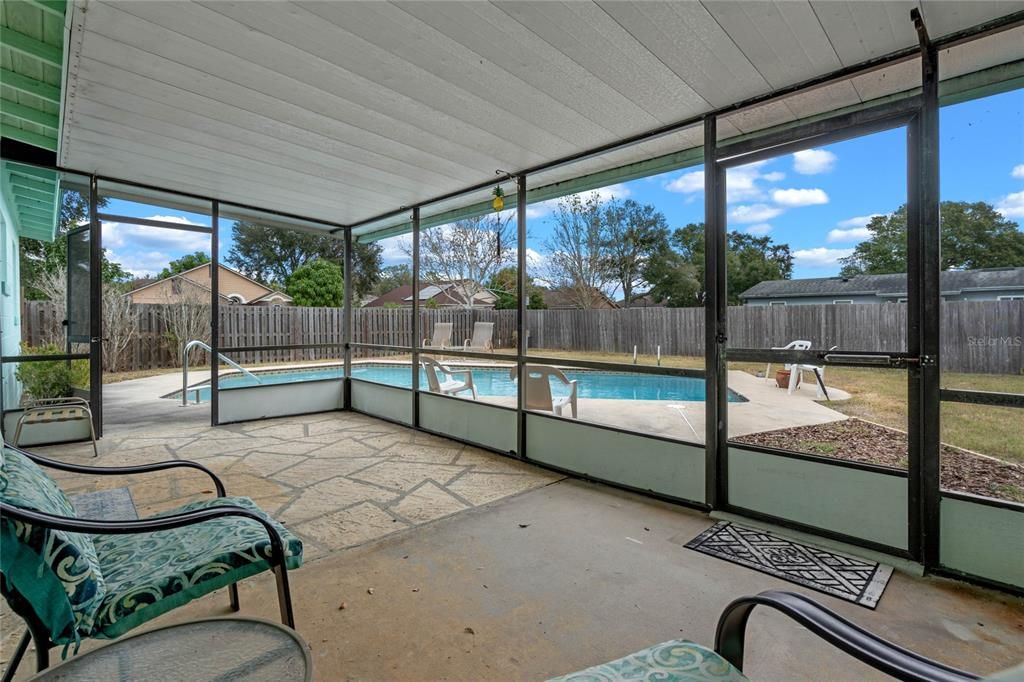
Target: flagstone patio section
[(337, 479)]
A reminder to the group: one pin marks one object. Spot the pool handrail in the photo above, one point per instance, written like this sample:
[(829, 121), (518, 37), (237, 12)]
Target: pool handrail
[(184, 368)]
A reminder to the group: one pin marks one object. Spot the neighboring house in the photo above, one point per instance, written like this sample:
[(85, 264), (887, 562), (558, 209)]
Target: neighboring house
[(442, 295), (235, 288), (641, 301), (566, 298), (989, 284)]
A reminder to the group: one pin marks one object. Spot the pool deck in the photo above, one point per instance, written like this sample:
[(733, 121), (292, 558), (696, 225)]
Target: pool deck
[(767, 408)]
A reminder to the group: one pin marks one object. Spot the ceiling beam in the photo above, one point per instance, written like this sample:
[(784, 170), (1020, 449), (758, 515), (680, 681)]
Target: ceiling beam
[(29, 46), (33, 202), (30, 115), (30, 86)]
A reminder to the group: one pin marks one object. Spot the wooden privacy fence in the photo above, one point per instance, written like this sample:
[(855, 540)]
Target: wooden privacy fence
[(978, 336)]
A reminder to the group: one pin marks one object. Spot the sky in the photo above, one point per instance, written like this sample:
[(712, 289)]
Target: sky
[(817, 201)]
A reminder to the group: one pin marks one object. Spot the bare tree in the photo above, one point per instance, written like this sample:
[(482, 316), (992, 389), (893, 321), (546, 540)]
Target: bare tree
[(54, 286), (466, 254), (120, 327), (578, 250), (186, 314)]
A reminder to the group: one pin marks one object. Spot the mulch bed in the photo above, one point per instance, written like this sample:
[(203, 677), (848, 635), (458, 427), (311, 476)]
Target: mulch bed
[(861, 441)]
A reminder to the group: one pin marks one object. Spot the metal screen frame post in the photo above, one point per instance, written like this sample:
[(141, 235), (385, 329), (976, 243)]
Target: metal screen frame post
[(521, 340), (95, 309), (346, 320), (926, 482), (715, 323), (415, 367), (215, 314)]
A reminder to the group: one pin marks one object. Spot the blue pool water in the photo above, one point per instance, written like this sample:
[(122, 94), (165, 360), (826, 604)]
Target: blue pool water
[(495, 382)]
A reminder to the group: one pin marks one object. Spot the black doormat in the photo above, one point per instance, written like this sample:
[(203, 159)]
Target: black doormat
[(840, 575), (105, 505)]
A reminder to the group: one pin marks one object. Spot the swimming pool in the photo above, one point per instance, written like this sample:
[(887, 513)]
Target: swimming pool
[(492, 381)]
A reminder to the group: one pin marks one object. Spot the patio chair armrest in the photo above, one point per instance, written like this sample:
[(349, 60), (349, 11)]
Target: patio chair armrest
[(73, 524), (121, 471), (850, 638)]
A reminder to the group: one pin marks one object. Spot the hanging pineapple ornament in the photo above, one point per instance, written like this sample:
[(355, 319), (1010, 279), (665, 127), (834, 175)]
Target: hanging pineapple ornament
[(499, 198)]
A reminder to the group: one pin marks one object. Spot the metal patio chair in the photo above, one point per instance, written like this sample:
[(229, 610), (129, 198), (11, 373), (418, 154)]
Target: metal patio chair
[(71, 578), (55, 411), (680, 659), (483, 338), (441, 339)]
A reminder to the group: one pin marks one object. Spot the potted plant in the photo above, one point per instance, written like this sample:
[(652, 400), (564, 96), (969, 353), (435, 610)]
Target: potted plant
[(782, 378)]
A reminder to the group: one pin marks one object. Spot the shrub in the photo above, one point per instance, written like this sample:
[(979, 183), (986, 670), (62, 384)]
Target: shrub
[(54, 379)]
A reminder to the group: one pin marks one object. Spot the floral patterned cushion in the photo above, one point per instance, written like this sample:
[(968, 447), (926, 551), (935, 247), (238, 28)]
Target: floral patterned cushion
[(675, 661), (149, 574), (57, 573)]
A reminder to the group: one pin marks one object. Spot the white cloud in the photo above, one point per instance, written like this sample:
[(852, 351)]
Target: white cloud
[(813, 161), (853, 234), (687, 183), (392, 252), (759, 230), (1018, 171), (1012, 205), (819, 256), (743, 183), (799, 197), (117, 235), (754, 213), (857, 221), (608, 193)]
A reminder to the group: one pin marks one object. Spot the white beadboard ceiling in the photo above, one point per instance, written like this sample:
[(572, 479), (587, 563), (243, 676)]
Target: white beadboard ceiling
[(340, 111)]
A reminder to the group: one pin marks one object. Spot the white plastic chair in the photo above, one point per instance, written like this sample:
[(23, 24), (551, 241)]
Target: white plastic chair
[(442, 380), (796, 377), (799, 344), (538, 390)]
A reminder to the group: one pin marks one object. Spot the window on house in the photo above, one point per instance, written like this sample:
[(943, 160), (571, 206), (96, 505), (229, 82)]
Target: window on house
[(776, 303), (1011, 298), (843, 301)]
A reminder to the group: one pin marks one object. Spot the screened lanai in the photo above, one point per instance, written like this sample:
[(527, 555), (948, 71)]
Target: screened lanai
[(409, 128)]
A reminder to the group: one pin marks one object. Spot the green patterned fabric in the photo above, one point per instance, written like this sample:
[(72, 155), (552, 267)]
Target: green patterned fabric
[(675, 661), (57, 573), (149, 574)]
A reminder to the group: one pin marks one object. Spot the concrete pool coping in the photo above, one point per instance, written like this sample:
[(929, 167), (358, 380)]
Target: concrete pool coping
[(767, 408)]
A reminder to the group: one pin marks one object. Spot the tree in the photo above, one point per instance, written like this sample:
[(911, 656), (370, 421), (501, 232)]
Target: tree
[(674, 274), (186, 315), (577, 249), (270, 255), (392, 277), (318, 283), (972, 236), (40, 258), (186, 262), (504, 283), (674, 280), (633, 235), (465, 254)]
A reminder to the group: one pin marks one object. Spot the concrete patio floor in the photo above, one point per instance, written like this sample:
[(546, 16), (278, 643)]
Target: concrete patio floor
[(484, 568)]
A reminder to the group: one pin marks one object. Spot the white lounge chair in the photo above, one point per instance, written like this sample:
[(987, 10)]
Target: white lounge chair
[(442, 338), (483, 335), (799, 344), (538, 390), (442, 380)]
